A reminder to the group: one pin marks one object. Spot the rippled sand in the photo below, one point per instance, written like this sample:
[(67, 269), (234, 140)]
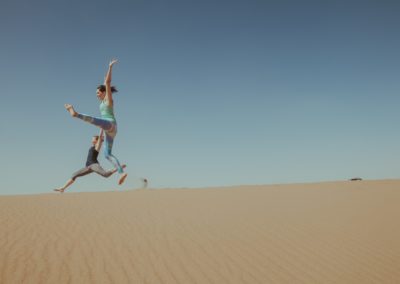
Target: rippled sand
[(339, 232)]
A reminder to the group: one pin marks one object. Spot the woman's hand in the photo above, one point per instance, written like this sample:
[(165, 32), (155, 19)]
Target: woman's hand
[(112, 62)]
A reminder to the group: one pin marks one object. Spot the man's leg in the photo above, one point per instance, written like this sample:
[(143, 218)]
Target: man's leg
[(99, 170), (68, 183), (80, 173)]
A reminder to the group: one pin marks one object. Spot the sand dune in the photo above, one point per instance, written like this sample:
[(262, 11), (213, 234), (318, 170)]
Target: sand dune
[(339, 232)]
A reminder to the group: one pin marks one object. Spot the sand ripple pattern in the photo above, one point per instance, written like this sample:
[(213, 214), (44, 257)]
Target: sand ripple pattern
[(340, 232)]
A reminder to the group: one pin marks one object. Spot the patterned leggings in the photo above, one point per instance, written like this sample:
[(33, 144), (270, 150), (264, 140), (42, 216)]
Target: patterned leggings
[(110, 130)]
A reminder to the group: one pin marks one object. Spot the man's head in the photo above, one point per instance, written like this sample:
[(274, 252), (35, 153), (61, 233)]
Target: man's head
[(95, 138)]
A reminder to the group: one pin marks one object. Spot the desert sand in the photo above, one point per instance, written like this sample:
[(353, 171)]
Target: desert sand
[(332, 232)]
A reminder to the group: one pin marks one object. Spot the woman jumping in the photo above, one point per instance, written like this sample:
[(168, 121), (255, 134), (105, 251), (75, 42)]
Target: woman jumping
[(107, 121)]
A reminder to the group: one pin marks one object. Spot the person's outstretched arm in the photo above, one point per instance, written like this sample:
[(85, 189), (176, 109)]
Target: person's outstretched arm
[(99, 141), (107, 82)]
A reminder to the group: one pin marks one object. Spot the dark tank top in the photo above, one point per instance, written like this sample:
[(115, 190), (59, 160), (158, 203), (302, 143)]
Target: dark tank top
[(92, 157)]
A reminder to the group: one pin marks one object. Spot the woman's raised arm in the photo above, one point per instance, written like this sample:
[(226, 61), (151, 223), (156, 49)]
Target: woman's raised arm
[(107, 82)]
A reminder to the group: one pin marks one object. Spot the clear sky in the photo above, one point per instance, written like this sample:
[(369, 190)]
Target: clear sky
[(212, 93)]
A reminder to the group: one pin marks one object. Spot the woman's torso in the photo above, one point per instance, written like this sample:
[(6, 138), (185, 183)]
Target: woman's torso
[(106, 111)]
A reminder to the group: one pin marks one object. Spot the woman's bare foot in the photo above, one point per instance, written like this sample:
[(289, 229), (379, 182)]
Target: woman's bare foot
[(59, 190), (122, 178), (71, 110)]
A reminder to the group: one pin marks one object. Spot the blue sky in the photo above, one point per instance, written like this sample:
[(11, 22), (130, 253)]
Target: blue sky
[(212, 93)]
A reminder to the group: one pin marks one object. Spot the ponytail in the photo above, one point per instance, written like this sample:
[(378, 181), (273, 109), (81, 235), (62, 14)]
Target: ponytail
[(102, 88)]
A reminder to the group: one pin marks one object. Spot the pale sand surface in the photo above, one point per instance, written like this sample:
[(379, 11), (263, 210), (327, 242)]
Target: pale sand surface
[(339, 232)]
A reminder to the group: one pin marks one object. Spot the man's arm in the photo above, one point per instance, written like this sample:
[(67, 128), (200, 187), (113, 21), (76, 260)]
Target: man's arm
[(99, 141)]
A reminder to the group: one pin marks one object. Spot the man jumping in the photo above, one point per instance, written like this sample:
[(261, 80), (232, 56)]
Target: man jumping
[(92, 164)]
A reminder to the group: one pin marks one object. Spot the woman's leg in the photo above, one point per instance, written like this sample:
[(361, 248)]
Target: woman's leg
[(107, 153), (105, 124), (102, 123), (109, 141)]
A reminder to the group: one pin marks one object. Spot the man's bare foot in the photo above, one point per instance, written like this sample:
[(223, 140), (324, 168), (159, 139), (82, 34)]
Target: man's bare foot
[(115, 170), (71, 110), (59, 190), (122, 178)]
